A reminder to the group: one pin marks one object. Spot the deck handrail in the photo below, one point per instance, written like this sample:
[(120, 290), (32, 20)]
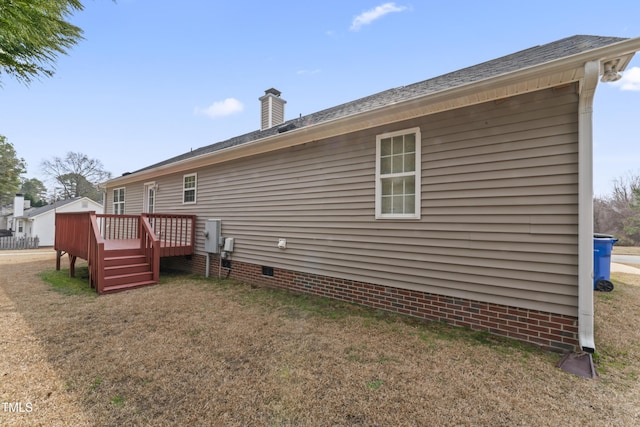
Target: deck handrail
[(175, 232), (95, 259), (150, 245)]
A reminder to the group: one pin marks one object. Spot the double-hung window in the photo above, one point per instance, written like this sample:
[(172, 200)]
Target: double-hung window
[(118, 201), (398, 175), (189, 186)]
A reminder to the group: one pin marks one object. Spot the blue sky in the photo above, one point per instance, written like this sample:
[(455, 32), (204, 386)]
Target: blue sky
[(154, 79)]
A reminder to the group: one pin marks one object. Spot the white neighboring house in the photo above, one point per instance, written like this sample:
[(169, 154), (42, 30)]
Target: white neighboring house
[(41, 221)]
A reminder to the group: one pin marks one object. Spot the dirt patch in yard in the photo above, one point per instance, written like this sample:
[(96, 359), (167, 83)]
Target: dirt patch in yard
[(197, 352), (626, 250)]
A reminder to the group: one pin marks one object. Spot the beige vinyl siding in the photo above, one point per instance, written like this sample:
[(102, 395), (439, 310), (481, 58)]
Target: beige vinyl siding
[(499, 206), (277, 112), (264, 114), (108, 200), (132, 199)]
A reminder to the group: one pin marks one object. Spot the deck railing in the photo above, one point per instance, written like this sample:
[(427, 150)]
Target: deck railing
[(150, 245), (96, 255), (177, 233), (119, 227)]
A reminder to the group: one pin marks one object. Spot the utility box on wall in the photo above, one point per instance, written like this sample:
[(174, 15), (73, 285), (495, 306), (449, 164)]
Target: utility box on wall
[(212, 235)]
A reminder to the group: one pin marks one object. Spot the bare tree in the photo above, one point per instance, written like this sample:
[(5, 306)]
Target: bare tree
[(631, 224), (602, 221), (625, 189), (77, 174), (619, 213)]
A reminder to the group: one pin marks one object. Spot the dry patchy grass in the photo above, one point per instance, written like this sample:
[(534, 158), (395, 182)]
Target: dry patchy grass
[(626, 250), (198, 352)]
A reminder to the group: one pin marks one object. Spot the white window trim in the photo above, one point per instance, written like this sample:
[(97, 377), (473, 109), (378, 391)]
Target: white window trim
[(195, 189), (114, 203), (417, 173)]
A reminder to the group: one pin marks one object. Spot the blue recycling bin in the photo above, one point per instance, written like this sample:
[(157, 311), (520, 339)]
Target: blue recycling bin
[(602, 248)]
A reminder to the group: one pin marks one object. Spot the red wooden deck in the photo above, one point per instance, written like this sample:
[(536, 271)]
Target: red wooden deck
[(167, 248), (112, 245), (123, 251)]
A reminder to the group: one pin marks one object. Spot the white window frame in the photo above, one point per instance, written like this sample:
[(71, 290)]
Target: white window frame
[(416, 173), (118, 203), (185, 189)]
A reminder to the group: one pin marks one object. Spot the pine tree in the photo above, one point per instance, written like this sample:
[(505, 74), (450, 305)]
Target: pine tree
[(11, 167), (32, 35)]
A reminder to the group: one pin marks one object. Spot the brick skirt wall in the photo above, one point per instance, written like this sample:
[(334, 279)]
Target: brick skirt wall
[(550, 331)]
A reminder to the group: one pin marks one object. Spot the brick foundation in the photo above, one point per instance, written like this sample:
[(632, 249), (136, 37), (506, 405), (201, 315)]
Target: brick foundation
[(550, 331)]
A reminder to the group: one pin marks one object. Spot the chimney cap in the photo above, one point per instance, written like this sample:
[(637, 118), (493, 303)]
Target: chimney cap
[(272, 91)]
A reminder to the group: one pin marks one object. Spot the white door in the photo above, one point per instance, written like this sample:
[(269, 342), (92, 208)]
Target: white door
[(149, 197)]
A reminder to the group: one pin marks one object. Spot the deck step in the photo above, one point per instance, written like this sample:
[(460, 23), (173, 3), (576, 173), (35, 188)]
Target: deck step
[(127, 286), (126, 269), (123, 279), (112, 261), (118, 270), (122, 252)]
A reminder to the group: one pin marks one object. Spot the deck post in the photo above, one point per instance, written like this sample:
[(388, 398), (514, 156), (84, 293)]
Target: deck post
[(58, 256), (72, 265)]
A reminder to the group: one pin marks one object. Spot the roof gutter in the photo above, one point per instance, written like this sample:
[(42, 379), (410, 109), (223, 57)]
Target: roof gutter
[(585, 207), (565, 70)]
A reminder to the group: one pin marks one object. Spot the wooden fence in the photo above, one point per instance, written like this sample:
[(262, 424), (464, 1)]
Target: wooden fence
[(19, 242)]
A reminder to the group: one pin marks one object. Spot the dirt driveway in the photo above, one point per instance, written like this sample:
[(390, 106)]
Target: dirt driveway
[(196, 352)]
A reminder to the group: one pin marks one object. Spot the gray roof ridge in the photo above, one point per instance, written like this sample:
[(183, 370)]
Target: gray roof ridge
[(528, 57), (57, 204)]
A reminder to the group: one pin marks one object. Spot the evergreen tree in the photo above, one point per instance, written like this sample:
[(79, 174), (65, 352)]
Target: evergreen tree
[(34, 190), (32, 35), (11, 167)]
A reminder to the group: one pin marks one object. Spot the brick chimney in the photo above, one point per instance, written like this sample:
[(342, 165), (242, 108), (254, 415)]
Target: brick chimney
[(272, 109), (18, 206)]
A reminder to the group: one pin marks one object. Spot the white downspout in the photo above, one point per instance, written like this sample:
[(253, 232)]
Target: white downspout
[(585, 206)]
